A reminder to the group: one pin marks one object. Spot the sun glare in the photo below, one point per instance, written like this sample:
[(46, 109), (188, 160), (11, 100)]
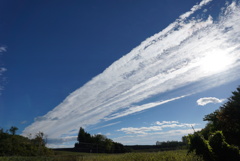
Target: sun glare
[(215, 62)]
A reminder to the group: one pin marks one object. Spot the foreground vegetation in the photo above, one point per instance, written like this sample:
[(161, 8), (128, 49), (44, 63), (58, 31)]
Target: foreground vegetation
[(178, 155), (16, 145), (219, 140)]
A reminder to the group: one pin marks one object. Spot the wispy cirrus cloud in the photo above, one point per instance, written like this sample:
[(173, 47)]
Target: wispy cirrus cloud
[(171, 59), (166, 122), (111, 124), (135, 109), (2, 69), (3, 49), (159, 131), (159, 126), (23, 122), (195, 8), (151, 138), (206, 100)]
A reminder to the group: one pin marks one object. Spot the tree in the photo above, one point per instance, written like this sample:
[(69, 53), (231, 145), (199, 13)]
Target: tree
[(39, 139), (1, 131), (108, 145), (185, 140), (226, 119), (213, 149), (13, 130), (221, 149), (200, 146), (219, 140), (83, 136), (98, 138), (97, 143)]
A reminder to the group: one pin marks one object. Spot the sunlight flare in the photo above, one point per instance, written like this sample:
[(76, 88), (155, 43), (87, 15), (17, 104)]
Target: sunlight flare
[(216, 62)]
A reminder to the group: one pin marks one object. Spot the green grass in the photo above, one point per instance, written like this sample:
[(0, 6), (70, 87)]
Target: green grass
[(178, 155)]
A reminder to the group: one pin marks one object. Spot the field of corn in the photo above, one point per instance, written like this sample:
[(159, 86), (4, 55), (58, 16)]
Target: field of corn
[(178, 155)]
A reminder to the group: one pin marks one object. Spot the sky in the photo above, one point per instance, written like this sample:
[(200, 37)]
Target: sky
[(136, 71)]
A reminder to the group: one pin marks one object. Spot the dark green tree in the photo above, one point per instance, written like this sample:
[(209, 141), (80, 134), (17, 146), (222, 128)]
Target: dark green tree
[(213, 149), (13, 130), (97, 143), (221, 149), (83, 136), (226, 119), (200, 146), (220, 139), (185, 140)]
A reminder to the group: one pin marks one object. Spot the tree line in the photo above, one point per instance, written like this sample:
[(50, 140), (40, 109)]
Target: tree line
[(97, 143), (170, 144), (220, 139)]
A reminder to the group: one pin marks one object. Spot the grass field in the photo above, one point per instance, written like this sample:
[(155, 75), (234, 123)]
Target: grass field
[(178, 155)]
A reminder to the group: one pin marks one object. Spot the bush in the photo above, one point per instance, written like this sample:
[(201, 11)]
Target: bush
[(201, 147), (16, 145), (213, 149), (221, 149)]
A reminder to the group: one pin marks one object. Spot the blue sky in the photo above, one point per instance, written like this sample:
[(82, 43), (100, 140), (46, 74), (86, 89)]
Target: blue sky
[(136, 71)]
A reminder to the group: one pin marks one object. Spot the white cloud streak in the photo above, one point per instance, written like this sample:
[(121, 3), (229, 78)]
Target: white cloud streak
[(3, 49), (2, 69), (194, 9), (23, 122), (111, 124), (135, 109), (148, 138), (166, 122), (206, 100), (169, 60), (158, 127)]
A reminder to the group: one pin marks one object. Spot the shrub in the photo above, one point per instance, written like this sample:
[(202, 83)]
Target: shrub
[(221, 149), (201, 147)]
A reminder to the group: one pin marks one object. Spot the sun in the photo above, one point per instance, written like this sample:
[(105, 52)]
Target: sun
[(215, 62)]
